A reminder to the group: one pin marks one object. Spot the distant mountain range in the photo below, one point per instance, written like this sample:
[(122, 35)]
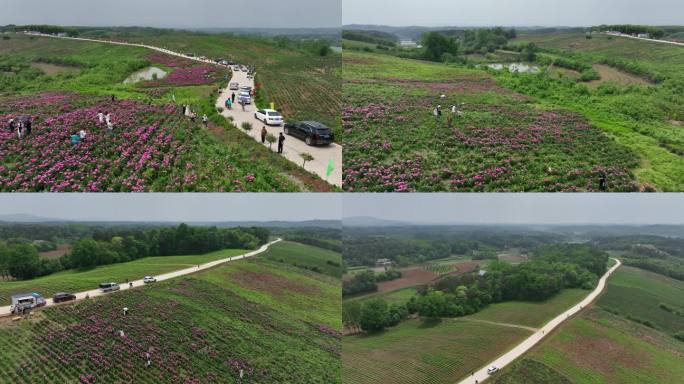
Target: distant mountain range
[(32, 219)]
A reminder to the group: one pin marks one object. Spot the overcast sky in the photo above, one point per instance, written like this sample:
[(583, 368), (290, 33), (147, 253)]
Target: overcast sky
[(175, 206), (519, 208), (512, 13), (175, 13)]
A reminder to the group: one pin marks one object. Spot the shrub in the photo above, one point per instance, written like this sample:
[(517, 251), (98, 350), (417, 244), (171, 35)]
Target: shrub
[(247, 126)]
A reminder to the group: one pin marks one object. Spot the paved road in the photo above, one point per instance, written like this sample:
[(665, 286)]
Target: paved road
[(642, 38), (507, 358), (5, 311), (293, 146)]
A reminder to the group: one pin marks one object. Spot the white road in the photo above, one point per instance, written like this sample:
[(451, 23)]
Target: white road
[(645, 39), (507, 358), (5, 311), (293, 147)]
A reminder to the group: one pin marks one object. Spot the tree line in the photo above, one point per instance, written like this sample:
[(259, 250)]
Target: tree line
[(631, 29), (366, 281), (19, 258), (552, 269)]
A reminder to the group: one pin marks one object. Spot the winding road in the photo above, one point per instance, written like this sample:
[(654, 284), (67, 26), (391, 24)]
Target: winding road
[(527, 344), (5, 311), (293, 147)]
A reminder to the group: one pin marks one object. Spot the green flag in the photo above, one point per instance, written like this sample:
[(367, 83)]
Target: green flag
[(328, 171)]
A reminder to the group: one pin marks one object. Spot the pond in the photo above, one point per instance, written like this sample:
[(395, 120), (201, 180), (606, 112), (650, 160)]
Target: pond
[(145, 74), (515, 67)]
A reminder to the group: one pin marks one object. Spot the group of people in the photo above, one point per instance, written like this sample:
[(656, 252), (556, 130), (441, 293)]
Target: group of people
[(106, 118), (21, 126)]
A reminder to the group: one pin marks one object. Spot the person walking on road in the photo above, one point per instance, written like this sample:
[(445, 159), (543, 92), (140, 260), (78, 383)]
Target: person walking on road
[(232, 98), (242, 103), (281, 141), (264, 132)]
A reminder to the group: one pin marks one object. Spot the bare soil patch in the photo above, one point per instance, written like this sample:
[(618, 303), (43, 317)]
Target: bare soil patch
[(61, 250), (409, 277), (54, 69), (615, 75), (601, 354)]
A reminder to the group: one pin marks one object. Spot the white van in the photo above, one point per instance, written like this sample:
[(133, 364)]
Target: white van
[(109, 287)]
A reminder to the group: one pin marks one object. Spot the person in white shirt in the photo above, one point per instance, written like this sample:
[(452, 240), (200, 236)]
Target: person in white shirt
[(100, 117), (82, 134)]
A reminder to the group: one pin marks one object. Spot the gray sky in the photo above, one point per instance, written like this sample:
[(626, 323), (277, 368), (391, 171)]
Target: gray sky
[(519, 208), (509, 12), (175, 13), (175, 206)]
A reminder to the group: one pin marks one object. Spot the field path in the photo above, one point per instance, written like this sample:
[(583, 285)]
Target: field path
[(500, 324), (293, 146), (5, 311), (507, 358), (643, 38)]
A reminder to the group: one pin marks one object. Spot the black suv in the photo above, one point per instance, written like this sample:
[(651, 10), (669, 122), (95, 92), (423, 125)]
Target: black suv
[(312, 132), (62, 296)]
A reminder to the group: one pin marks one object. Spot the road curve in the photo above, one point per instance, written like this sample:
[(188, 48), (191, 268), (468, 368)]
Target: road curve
[(5, 311), (507, 358), (293, 147)]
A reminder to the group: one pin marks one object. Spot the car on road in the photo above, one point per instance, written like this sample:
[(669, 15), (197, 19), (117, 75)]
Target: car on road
[(245, 97), (26, 301), (149, 279), (234, 86), (269, 116), (312, 132), (61, 297), (492, 369), (246, 88), (109, 287)]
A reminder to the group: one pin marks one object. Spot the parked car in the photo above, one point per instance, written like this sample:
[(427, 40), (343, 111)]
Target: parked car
[(190, 54), (61, 297), (246, 88), (109, 287), (312, 132), (234, 86), (492, 369), (245, 97), (269, 116), (149, 279)]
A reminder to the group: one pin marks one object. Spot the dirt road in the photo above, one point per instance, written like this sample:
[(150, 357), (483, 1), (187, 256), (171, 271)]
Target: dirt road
[(5, 311), (507, 358), (293, 147)]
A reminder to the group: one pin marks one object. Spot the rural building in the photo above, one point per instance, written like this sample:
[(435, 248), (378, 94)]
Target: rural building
[(644, 35), (383, 263)]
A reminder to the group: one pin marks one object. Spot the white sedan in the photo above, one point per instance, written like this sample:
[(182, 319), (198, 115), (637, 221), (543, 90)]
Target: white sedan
[(492, 369), (269, 116), (149, 279)]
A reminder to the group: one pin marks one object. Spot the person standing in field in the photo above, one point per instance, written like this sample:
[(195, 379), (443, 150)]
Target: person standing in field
[(110, 127), (281, 141), (439, 111), (264, 132), (100, 117), (75, 138), (27, 125), (205, 120), (20, 129), (11, 125), (602, 182), (183, 110), (82, 134)]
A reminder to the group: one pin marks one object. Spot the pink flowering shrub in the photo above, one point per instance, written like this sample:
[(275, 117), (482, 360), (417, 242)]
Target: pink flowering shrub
[(149, 150), (397, 145), (191, 76)]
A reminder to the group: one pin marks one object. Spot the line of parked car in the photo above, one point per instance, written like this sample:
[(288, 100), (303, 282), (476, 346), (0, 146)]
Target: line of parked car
[(27, 301)]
